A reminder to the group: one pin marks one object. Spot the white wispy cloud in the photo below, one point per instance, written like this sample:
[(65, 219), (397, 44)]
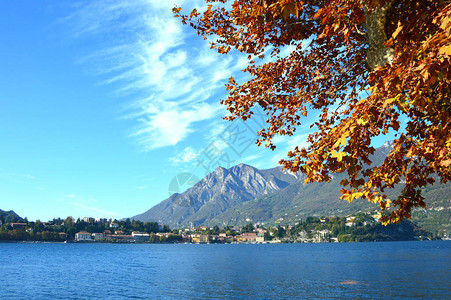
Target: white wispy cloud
[(86, 205), (216, 136), (144, 187), (148, 55), (298, 140), (95, 210), (187, 155), (277, 157), (169, 126), (144, 183)]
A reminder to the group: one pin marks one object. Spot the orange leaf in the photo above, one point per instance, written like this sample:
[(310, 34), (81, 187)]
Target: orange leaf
[(318, 13)]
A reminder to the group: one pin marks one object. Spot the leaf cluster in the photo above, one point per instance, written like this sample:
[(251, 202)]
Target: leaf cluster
[(328, 71)]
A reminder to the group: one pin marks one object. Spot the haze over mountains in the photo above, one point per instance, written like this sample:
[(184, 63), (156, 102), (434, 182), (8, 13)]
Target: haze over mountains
[(244, 194)]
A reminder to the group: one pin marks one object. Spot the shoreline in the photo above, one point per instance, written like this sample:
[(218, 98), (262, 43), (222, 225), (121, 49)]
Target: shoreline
[(234, 243)]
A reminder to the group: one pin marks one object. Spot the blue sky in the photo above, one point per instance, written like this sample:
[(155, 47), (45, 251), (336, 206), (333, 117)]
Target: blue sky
[(103, 103)]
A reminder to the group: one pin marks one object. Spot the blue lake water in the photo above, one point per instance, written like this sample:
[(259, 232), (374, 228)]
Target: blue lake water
[(392, 270)]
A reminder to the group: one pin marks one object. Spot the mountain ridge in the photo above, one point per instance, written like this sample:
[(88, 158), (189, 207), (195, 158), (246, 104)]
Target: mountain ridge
[(9, 216), (244, 194), (217, 192)]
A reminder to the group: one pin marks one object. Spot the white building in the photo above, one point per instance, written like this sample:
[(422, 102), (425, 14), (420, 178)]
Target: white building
[(83, 236), (140, 237), (98, 236)]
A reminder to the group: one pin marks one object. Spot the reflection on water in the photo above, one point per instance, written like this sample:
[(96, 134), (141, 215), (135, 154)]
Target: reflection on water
[(393, 270)]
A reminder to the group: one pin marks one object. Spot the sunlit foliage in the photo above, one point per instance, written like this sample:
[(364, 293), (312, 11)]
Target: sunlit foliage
[(364, 66)]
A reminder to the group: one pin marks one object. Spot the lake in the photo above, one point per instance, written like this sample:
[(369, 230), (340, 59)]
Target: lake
[(384, 270)]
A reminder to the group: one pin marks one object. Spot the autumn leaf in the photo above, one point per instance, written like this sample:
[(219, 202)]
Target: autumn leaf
[(368, 66), (339, 155), (445, 50), (397, 31)]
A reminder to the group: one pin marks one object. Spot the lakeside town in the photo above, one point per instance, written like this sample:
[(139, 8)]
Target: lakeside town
[(360, 227)]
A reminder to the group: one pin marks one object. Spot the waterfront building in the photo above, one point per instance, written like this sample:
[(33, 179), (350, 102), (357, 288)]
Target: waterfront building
[(204, 238), (83, 236), (247, 237), (186, 238), (98, 236), (121, 238), (140, 237), (195, 238)]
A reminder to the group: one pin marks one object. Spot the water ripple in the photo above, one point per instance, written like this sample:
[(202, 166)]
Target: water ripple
[(302, 271)]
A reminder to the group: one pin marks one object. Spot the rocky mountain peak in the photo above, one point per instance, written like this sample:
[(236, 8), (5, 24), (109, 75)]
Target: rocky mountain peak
[(215, 193), (242, 193)]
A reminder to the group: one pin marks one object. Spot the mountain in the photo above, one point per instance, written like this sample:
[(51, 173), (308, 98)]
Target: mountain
[(300, 200), (9, 216), (245, 194), (216, 193)]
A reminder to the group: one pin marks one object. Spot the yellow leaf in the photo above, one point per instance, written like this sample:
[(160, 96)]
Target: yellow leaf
[(340, 155), (397, 31), (361, 121), (445, 50), (377, 199), (445, 22), (357, 195), (340, 141), (388, 102)]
